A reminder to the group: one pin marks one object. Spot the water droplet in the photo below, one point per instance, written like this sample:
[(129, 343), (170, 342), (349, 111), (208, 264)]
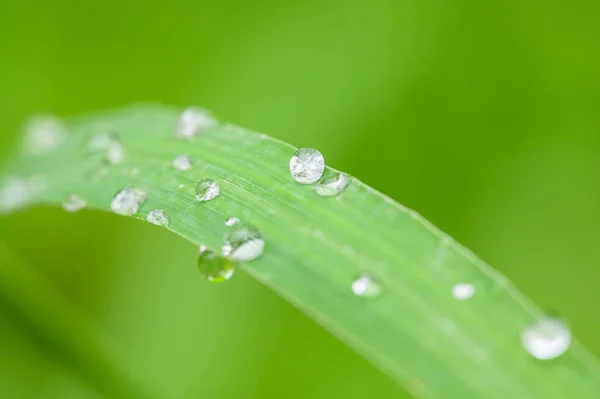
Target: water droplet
[(43, 134), (332, 185), (135, 171), (116, 153), (244, 243), (546, 338), (463, 291), (307, 165), (14, 193), (366, 287), (109, 146), (182, 162), (101, 142), (207, 190), (214, 267), (232, 221), (192, 121), (128, 201), (74, 203), (158, 217)]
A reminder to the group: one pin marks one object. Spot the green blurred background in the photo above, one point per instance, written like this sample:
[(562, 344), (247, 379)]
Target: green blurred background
[(482, 116)]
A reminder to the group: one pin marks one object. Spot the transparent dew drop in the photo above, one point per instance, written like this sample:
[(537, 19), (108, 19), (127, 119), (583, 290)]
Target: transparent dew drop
[(243, 243), (101, 142), (192, 121), (463, 291), (214, 267), (158, 217), (108, 146), (128, 201), (332, 185), (366, 287), (232, 221), (15, 193), (43, 134), (182, 162), (207, 190), (116, 153), (546, 338), (74, 203), (307, 165)]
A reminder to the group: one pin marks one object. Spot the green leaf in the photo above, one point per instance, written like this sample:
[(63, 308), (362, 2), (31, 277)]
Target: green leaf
[(315, 248)]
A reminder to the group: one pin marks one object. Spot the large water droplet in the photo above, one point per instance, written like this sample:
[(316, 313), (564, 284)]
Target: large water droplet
[(232, 221), (463, 291), (244, 243), (206, 190), (214, 267), (546, 338), (332, 185), (192, 121), (307, 165), (14, 193), (43, 134), (182, 162), (158, 217), (74, 203), (366, 287), (128, 201)]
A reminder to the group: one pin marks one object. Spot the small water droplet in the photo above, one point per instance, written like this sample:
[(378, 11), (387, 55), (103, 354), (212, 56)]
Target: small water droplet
[(108, 146), (307, 165), (116, 153), (366, 287), (546, 338), (43, 134), (14, 193), (332, 185), (181, 185), (74, 203), (101, 142), (158, 217), (192, 121), (214, 267), (463, 291), (207, 190), (128, 201), (244, 243), (182, 162), (135, 171), (232, 221)]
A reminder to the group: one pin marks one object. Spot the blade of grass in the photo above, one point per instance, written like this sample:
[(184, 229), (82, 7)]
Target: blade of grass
[(431, 343)]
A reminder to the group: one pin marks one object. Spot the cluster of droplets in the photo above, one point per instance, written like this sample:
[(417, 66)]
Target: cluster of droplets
[(545, 338), (307, 166)]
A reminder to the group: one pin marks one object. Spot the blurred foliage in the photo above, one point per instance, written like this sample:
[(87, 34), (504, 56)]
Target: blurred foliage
[(483, 116)]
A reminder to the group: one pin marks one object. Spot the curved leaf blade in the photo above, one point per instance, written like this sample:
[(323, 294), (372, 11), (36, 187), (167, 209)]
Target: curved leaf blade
[(431, 343)]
